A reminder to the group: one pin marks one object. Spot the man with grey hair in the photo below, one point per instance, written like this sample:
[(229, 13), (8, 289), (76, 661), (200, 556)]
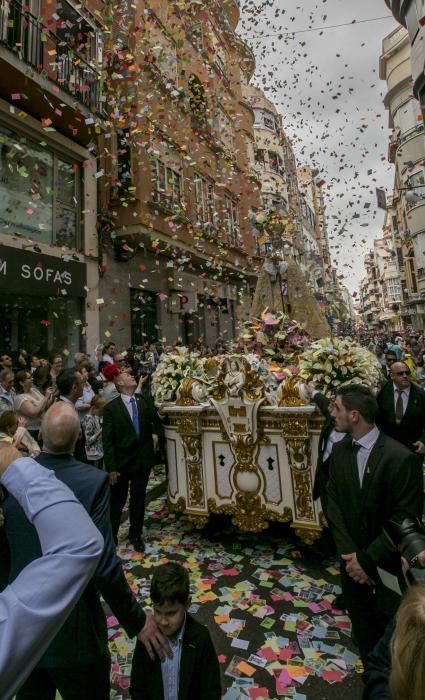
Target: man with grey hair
[(7, 392), (77, 663)]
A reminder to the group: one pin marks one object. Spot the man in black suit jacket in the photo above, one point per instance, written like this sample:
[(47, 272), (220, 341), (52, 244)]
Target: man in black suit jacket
[(77, 663), (327, 439), (402, 409), (372, 479), (130, 429), (196, 675), (199, 673)]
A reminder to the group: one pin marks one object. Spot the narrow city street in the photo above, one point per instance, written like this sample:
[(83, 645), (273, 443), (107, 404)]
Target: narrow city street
[(266, 601)]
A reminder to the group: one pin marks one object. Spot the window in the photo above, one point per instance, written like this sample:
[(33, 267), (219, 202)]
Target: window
[(40, 191), (275, 162), (144, 317), (231, 220), (75, 31), (166, 184), (195, 34), (121, 20), (393, 290), (416, 189), (216, 52), (405, 118), (223, 128), (260, 158), (124, 159), (414, 13), (121, 167), (205, 200), (162, 51), (197, 100), (263, 118)]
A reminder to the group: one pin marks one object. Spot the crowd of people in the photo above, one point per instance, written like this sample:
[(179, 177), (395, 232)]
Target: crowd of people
[(95, 427)]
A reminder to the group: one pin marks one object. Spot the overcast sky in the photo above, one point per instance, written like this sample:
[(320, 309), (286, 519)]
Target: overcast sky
[(326, 85)]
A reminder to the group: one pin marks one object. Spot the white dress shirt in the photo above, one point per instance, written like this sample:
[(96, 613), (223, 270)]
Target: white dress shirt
[(35, 605), (127, 403), (170, 668), (366, 444), (334, 437)]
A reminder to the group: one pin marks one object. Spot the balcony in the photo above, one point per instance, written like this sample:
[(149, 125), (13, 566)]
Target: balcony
[(31, 42)]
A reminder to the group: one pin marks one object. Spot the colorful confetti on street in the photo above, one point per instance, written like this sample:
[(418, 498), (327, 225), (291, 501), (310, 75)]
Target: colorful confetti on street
[(268, 605)]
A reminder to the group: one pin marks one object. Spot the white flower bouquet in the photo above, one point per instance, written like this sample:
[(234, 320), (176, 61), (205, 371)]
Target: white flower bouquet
[(329, 363), (173, 368)]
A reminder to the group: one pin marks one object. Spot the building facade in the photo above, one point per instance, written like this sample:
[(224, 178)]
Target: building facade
[(381, 296), (180, 258), (411, 14), (295, 192), (51, 125), (406, 215)]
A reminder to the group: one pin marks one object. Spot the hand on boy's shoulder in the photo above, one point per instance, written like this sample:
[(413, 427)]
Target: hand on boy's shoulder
[(153, 640)]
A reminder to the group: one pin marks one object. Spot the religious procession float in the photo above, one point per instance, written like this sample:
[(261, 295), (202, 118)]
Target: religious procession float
[(242, 434)]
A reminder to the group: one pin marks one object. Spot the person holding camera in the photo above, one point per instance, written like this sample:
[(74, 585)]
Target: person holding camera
[(395, 670), (372, 479)]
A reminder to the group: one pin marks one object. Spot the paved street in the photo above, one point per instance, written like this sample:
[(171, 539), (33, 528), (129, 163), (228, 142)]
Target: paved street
[(267, 603)]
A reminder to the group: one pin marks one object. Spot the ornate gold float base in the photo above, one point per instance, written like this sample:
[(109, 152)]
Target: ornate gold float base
[(178, 507), (199, 521), (308, 534), (248, 513)]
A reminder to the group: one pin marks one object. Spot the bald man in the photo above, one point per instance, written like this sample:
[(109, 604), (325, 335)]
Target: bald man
[(401, 405), (77, 663)]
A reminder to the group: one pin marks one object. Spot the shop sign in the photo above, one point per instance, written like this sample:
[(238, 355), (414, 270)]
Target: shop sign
[(183, 302), (22, 272)]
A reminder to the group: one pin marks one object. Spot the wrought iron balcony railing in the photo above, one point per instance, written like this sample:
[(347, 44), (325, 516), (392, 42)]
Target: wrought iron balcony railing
[(34, 44)]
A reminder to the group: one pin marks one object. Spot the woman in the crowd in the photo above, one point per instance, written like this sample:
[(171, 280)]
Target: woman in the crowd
[(56, 366), (82, 405), (41, 377), (30, 403), (92, 427)]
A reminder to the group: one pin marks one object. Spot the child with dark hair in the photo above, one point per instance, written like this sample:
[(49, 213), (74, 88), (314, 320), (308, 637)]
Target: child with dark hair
[(193, 672), (14, 434)]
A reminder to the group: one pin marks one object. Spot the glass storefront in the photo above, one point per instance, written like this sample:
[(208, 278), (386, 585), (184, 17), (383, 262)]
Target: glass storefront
[(40, 324), (40, 191)]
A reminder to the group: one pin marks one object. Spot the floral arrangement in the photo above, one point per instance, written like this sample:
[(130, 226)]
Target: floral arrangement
[(271, 374), (273, 336), (172, 369), (329, 363)]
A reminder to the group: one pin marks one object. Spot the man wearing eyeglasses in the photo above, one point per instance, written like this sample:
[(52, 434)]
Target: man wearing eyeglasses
[(402, 409)]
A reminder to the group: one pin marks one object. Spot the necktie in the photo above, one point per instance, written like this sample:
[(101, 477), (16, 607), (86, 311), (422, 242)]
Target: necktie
[(355, 447), (135, 415), (399, 410)]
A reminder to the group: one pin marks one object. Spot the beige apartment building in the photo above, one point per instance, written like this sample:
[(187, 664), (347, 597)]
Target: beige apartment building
[(407, 153), (182, 260)]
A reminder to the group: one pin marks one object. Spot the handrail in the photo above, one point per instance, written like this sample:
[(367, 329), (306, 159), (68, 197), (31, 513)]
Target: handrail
[(37, 46)]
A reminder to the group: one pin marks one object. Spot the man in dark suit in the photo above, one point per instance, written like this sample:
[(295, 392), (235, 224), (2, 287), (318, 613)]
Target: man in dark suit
[(130, 433), (70, 386), (402, 409), (77, 663), (329, 437), (390, 358), (372, 479)]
